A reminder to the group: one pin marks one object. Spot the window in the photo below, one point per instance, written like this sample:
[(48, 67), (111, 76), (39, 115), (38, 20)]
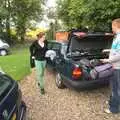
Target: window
[(53, 46), (64, 49), (5, 85)]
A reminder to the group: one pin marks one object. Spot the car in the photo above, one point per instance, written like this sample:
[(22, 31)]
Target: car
[(59, 48), (11, 105), (4, 48), (77, 60)]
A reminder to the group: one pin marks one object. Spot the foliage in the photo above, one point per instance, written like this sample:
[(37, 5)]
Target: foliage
[(51, 32), (54, 24), (96, 14), (32, 33), (25, 11), (63, 11), (19, 13)]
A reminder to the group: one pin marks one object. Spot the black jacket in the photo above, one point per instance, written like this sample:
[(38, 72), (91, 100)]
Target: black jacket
[(38, 52)]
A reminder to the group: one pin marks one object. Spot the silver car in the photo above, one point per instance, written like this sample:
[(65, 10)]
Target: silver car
[(4, 48)]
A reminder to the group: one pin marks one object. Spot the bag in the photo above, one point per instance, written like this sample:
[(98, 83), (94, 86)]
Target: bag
[(32, 62), (102, 71)]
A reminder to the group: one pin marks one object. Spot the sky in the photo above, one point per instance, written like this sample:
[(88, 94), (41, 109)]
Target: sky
[(51, 3), (44, 24)]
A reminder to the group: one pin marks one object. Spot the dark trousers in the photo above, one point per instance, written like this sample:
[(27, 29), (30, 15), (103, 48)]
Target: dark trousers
[(114, 102)]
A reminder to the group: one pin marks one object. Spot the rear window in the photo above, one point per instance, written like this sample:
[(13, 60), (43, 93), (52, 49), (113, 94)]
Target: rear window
[(53, 46), (5, 85), (97, 42)]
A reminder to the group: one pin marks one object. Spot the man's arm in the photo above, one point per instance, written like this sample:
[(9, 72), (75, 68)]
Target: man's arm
[(115, 57)]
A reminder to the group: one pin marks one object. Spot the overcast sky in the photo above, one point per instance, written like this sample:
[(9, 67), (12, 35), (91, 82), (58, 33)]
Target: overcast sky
[(51, 3)]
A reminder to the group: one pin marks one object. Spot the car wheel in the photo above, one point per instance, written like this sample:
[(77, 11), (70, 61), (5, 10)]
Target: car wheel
[(3, 52), (59, 81)]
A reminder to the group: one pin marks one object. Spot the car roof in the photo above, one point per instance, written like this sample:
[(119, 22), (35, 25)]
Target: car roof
[(87, 34), (59, 42)]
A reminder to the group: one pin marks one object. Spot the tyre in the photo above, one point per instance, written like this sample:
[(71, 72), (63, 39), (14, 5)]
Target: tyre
[(3, 52), (59, 81)]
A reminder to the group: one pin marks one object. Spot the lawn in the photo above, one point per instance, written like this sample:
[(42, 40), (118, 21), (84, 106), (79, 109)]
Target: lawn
[(17, 63)]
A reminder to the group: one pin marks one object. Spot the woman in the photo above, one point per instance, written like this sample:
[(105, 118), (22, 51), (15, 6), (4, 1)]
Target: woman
[(38, 50)]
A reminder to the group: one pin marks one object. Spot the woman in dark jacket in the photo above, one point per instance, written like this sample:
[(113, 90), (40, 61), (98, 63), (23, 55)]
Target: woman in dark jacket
[(38, 50)]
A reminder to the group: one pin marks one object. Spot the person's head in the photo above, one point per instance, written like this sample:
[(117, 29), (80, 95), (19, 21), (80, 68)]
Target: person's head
[(116, 25), (41, 36)]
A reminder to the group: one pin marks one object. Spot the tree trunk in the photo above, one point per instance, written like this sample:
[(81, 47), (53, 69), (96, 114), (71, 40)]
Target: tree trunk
[(23, 34), (8, 30), (8, 22), (1, 31), (21, 30)]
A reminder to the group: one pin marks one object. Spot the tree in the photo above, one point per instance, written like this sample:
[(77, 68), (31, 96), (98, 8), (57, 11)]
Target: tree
[(5, 15), (19, 13), (54, 25), (63, 11), (8, 8), (97, 15), (24, 12)]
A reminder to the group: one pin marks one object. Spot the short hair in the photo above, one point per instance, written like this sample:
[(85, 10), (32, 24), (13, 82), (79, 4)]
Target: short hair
[(116, 22), (40, 34)]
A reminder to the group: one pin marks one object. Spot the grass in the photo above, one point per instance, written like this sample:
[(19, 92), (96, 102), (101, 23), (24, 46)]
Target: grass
[(17, 63)]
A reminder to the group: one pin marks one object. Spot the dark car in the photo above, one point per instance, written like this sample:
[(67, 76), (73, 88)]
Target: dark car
[(76, 60), (11, 105)]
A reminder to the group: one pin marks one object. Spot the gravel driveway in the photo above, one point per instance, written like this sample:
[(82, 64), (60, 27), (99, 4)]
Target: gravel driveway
[(63, 104)]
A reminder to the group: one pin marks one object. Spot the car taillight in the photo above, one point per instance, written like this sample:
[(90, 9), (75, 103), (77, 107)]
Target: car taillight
[(76, 73)]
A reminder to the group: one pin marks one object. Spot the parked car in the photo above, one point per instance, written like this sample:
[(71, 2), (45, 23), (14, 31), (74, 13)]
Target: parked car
[(11, 105), (4, 48), (77, 61), (59, 48)]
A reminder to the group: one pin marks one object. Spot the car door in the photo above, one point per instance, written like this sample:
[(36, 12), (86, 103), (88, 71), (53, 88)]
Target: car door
[(8, 98)]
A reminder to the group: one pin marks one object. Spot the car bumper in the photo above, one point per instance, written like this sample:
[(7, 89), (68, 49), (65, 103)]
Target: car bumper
[(85, 84)]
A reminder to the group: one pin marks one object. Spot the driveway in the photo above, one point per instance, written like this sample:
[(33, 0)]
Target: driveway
[(64, 104)]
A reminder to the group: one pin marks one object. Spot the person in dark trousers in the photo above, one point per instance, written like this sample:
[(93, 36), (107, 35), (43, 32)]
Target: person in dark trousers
[(38, 50), (114, 58)]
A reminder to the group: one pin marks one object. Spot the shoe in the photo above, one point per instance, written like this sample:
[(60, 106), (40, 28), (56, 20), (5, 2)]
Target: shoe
[(42, 91), (107, 111)]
